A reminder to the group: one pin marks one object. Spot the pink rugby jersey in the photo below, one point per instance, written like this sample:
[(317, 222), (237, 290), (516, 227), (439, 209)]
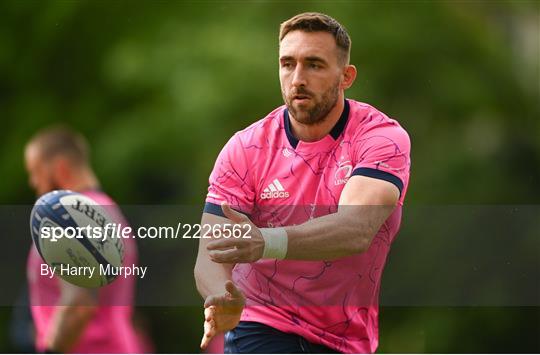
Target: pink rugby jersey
[(111, 329), (277, 180)]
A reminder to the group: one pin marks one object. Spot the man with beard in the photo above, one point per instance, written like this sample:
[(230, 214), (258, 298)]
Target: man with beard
[(67, 318), (304, 205)]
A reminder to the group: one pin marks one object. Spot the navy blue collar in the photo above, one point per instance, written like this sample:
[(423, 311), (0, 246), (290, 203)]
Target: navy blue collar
[(335, 132)]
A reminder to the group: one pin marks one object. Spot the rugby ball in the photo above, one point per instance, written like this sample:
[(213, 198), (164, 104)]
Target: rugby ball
[(68, 230)]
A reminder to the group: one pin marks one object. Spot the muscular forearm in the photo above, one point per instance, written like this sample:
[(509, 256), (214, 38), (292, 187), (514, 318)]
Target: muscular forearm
[(68, 324), (210, 277), (347, 232)]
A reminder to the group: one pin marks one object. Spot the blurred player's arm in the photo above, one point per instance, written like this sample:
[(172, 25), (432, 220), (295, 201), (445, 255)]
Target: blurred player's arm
[(76, 308), (364, 205)]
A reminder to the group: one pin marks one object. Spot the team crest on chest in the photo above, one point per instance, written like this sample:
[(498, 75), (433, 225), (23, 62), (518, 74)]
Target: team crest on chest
[(343, 173), (286, 152)]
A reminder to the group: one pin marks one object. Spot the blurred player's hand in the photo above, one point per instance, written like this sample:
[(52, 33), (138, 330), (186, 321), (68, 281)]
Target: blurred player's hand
[(237, 250), (222, 312)]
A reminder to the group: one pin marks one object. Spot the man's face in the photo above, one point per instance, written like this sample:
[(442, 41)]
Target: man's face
[(310, 74), (40, 175)]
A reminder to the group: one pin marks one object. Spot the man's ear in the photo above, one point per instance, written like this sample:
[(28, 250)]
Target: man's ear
[(349, 75)]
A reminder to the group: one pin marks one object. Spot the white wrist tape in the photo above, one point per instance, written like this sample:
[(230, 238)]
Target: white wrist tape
[(275, 243)]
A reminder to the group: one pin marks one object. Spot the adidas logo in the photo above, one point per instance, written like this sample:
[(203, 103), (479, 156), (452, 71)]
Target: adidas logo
[(274, 190)]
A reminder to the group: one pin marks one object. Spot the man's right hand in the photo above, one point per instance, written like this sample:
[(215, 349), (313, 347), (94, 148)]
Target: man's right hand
[(222, 312)]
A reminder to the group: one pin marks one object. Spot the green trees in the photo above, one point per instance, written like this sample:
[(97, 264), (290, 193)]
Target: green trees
[(158, 88)]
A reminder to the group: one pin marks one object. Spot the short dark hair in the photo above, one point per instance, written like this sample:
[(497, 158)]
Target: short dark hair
[(61, 140), (317, 22)]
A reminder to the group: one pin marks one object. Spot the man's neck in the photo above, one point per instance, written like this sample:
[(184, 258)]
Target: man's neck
[(315, 132), (84, 181)]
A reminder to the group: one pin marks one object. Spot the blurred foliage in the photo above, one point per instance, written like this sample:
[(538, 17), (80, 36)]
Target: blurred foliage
[(159, 87)]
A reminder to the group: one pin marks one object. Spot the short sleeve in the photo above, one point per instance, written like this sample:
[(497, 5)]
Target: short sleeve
[(230, 180), (383, 153)]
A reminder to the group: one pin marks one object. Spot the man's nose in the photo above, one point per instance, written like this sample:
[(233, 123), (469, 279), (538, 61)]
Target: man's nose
[(299, 77)]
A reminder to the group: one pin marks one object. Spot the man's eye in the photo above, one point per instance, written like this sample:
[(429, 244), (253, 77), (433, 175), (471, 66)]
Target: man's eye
[(286, 65), (314, 66)]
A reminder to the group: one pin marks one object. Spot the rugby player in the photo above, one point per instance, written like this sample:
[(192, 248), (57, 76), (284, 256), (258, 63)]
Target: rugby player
[(67, 318), (319, 184)]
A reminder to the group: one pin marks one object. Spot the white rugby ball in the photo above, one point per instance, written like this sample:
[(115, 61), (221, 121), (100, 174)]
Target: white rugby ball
[(76, 251)]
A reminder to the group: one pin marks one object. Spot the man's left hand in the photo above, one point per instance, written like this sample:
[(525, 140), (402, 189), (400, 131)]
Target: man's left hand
[(247, 248)]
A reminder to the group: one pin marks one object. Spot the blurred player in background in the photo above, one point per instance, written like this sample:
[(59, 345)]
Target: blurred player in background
[(68, 318), (320, 183)]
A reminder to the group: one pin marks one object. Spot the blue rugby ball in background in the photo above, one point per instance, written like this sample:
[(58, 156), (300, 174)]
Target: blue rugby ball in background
[(60, 223)]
